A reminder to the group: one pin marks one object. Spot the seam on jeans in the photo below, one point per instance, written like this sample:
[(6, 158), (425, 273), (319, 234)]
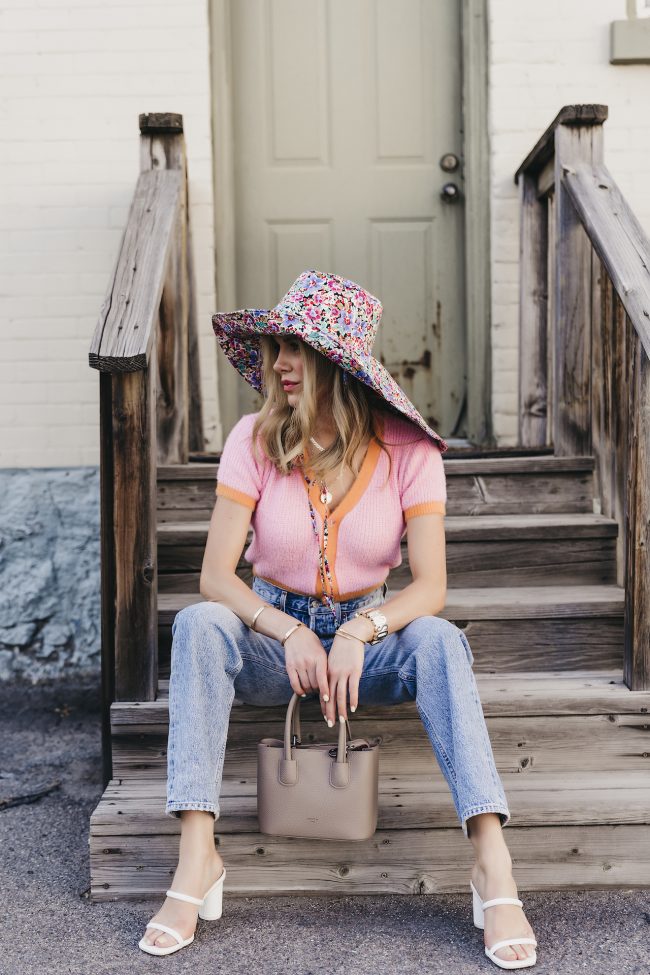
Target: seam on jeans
[(262, 663), (381, 672), (428, 727)]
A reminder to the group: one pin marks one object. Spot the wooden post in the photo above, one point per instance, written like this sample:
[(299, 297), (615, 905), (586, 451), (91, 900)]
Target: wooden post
[(580, 141), (107, 567), (134, 531), (533, 252), (637, 519), (180, 415), (172, 344)]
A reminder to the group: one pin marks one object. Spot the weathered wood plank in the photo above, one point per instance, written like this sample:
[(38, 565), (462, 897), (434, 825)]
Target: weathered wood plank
[(107, 567), (524, 602), (569, 115), (572, 420), (172, 401), (517, 646), (463, 528), (533, 253), (419, 861), (134, 532), (480, 486), (637, 520), (552, 319), (126, 330), (548, 693), (583, 798), (617, 237)]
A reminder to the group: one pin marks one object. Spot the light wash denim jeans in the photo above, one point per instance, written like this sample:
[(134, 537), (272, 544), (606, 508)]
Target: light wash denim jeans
[(217, 657)]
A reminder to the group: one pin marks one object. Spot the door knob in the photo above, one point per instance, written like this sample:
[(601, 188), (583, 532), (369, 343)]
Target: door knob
[(450, 193), (449, 162)]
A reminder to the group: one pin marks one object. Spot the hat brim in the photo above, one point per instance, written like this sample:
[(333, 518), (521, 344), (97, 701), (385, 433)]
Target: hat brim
[(238, 334)]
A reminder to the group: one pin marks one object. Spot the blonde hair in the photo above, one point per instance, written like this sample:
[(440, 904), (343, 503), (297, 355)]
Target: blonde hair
[(356, 410)]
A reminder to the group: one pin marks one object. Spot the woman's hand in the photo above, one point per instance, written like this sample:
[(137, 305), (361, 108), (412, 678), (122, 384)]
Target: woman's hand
[(344, 668), (305, 658)]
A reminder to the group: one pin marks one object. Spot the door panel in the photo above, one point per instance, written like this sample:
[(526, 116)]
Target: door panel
[(342, 112)]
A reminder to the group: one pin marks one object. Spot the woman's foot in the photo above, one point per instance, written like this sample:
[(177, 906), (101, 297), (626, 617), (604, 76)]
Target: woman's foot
[(195, 875), (492, 877)]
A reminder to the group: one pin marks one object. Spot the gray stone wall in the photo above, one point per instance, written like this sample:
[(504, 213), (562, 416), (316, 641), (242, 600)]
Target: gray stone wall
[(50, 622)]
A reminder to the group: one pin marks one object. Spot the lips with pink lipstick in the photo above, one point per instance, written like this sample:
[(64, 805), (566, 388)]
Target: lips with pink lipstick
[(288, 385)]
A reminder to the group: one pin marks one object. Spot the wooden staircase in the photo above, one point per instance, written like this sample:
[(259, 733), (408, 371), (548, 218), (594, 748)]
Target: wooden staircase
[(539, 563)]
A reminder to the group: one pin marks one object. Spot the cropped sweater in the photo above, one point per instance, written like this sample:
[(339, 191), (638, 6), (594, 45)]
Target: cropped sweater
[(365, 528)]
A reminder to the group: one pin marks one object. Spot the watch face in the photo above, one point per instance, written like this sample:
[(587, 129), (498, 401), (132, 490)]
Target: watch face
[(377, 615)]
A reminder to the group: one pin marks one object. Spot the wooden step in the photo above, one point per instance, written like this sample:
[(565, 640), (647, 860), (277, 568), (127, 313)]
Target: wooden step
[(529, 483), (510, 629), (493, 550), (573, 753), (536, 723), (130, 866)]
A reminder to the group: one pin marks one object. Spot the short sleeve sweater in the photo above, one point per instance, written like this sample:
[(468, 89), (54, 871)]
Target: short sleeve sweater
[(365, 528)]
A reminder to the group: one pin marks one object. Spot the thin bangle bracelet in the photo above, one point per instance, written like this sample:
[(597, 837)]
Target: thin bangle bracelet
[(290, 631), (349, 636), (257, 613)]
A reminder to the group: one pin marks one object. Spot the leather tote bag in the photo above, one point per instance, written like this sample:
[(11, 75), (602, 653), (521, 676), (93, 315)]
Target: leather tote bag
[(317, 790)]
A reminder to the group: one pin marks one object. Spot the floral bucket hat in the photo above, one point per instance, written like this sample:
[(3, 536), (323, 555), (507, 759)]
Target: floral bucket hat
[(334, 315)]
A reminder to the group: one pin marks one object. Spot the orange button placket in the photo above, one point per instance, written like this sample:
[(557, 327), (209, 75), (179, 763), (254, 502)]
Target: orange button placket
[(343, 507)]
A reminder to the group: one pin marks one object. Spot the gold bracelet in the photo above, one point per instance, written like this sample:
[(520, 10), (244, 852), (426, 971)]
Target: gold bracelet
[(290, 631), (349, 636), (257, 613)]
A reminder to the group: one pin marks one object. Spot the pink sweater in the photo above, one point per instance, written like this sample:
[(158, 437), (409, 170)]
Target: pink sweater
[(366, 527)]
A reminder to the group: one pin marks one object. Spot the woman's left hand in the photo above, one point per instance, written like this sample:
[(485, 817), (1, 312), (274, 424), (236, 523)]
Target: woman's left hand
[(344, 667)]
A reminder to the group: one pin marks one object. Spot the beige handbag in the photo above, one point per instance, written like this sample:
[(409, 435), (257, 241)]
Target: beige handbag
[(317, 790)]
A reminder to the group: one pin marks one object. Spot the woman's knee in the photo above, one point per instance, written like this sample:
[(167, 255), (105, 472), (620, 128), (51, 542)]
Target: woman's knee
[(435, 631), (208, 628), (204, 614)]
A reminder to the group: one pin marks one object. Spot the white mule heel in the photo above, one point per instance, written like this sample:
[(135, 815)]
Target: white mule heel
[(210, 909), (213, 901), (478, 908)]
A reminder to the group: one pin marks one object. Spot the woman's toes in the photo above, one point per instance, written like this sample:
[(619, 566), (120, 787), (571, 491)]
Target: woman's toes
[(507, 953)]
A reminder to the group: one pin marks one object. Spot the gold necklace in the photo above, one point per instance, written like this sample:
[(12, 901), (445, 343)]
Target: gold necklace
[(325, 493)]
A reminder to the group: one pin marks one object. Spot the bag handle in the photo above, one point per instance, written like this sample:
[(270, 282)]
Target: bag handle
[(292, 730)]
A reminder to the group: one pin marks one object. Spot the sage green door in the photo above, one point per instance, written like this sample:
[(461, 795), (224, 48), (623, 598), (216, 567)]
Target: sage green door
[(347, 135)]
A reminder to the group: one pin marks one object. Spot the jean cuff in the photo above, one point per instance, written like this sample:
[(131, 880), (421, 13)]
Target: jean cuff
[(502, 811), (174, 808)]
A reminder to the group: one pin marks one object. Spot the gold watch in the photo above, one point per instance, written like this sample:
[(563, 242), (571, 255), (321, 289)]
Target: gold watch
[(379, 622)]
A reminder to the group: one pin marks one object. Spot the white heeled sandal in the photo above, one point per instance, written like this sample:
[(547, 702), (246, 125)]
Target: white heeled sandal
[(478, 907), (210, 908)]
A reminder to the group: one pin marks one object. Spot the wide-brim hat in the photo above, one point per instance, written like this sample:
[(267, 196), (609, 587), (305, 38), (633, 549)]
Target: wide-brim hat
[(333, 315)]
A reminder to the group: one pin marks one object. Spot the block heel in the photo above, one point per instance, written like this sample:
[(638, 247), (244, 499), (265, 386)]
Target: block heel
[(211, 908)]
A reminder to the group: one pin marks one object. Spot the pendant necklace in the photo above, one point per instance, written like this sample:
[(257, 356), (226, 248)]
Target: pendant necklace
[(323, 563), (325, 495)]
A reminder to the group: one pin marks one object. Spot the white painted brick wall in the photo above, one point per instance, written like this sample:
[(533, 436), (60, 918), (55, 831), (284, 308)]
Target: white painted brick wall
[(543, 56), (74, 76)]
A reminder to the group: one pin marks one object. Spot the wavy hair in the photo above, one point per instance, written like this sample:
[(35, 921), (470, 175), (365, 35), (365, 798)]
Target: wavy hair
[(356, 410)]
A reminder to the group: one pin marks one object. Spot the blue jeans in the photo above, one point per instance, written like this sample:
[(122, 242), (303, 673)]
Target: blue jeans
[(217, 657)]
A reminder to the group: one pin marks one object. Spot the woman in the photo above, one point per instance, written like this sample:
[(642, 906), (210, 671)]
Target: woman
[(336, 439)]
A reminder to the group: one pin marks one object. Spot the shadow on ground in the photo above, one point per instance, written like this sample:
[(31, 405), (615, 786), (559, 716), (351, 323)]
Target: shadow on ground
[(50, 750)]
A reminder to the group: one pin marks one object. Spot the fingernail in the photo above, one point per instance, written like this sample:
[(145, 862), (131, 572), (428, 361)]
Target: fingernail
[(341, 718), (353, 707), (326, 697), (330, 724), (303, 695)]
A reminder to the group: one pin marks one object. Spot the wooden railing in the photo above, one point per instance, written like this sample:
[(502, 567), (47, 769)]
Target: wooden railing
[(584, 341), (145, 347)]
